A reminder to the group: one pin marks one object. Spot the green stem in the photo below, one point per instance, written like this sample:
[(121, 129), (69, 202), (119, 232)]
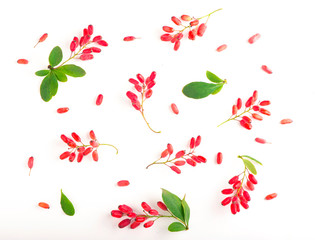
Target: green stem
[(208, 15), (236, 116), (106, 144)]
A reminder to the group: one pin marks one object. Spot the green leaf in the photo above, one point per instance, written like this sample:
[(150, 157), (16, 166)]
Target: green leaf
[(60, 75), (49, 87), (213, 78), (42, 73), (174, 204), (66, 205), (199, 90), (252, 159), (186, 210), (72, 70), (55, 56), (176, 227), (219, 87), (250, 166)]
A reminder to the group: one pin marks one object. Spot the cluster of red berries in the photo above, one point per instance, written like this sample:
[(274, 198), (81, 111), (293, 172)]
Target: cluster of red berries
[(181, 157), (239, 196), (195, 29), (251, 108), (134, 220), (144, 87), (84, 52), (80, 150)]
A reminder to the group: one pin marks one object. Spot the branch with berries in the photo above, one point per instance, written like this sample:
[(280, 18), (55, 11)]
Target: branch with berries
[(80, 149), (195, 28), (80, 49), (172, 205), (250, 109), (245, 180), (144, 87), (182, 157)]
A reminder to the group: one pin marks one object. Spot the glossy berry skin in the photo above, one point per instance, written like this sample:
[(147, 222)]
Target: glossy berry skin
[(286, 121), (125, 209), (226, 201), (245, 124), (129, 38), (271, 196), (148, 224), (176, 21), (22, 61), (227, 191), (117, 214), (99, 99), (146, 206), (176, 169), (123, 183), (124, 223), (250, 185), (252, 179), (62, 110), (219, 158), (233, 180), (162, 206), (246, 195), (134, 225), (44, 205), (266, 69), (201, 29), (253, 38), (221, 48), (174, 108)]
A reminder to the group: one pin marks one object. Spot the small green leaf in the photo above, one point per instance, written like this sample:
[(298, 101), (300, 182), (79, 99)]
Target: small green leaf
[(250, 166), (199, 90), (219, 87), (174, 204), (55, 56), (60, 75), (42, 73), (252, 159), (213, 78), (186, 210), (176, 227), (49, 87), (66, 205), (72, 70)]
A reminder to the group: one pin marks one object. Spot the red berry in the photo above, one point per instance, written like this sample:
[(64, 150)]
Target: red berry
[(237, 184), (71, 143), (99, 99), (252, 179), (249, 102), (95, 155), (234, 109), (180, 154), (22, 61), (233, 180), (257, 116), (233, 208), (64, 138), (42, 38), (246, 125), (271, 196), (227, 191), (260, 140), (148, 93), (256, 108), (86, 56), (196, 159), (72, 157), (76, 137), (239, 103), (44, 205), (140, 78), (134, 225), (192, 143), (176, 169), (85, 39), (129, 38), (180, 163), (125, 209), (201, 29), (238, 209), (87, 151), (30, 162), (247, 119), (194, 22), (169, 148), (176, 21), (151, 84), (80, 157), (250, 185), (264, 103), (123, 183), (87, 50), (92, 135), (186, 18), (162, 206), (148, 224), (102, 43), (73, 46), (132, 215), (202, 159), (174, 108), (76, 39), (133, 81), (97, 38), (124, 223), (244, 204), (176, 45), (140, 219), (152, 76), (264, 111), (192, 34), (198, 140), (146, 206), (266, 69), (94, 143), (254, 38), (255, 95), (96, 49), (191, 162), (226, 201), (168, 29), (85, 32), (286, 121), (221, 48), (219, 158), (132, 96), (136, 105), (64, 155), (62, 110), (153, 212), (246, 195), (164, 153), (80, 149), (166, 37), (90, 29)]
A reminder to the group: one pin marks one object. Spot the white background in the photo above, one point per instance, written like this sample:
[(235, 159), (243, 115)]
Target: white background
[(31, 127)]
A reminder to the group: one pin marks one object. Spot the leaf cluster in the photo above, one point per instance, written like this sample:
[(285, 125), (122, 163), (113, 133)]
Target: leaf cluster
[(247, 160)]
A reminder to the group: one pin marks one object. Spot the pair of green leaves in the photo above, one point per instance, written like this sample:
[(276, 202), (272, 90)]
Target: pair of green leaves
[(66, 205), (49, 85), (199, 90), (179, 209), (249, 165)]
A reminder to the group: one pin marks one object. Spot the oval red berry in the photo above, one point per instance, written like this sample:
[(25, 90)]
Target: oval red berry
[(62, 110), (22, 61), (221, 48), (271, 196), (219, 158), (43, 205), (286, 121), (174, 108), (123, 183), (99, 100)]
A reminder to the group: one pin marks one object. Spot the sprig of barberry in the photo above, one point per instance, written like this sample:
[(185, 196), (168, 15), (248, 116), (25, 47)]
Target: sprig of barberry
[(80, 149), (80, 49), (245, 180), (182, 157), (144, 87), (175, 208), (250, 109), (195, 28)]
